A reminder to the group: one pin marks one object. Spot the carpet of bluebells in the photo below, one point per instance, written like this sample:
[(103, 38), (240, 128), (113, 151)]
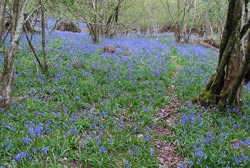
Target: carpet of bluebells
[(97, 109)]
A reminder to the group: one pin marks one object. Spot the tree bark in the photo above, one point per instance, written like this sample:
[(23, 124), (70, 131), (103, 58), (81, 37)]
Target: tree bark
[(46, 67), (2, 22), (224, 87), (7, 75), (181, 23)]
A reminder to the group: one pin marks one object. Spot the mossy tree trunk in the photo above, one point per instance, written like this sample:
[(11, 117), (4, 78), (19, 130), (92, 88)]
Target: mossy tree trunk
[(225, 86)]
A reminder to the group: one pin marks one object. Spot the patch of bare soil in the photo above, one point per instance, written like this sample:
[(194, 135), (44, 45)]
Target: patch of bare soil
[(167, 152), (167, 155)]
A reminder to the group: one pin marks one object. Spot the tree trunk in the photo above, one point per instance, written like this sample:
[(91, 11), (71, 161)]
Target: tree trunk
[(46, 67), (224, 87), (95, 32), (180, 33), (177, 34), (7, 75), (2, 21)]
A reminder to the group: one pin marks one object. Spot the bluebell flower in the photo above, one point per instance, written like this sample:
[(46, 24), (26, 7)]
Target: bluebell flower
[(135, 129), (9, 146), (147, 139), (36, 131), (10, 115), (210, 137), (26, 140), (74, 117), (127, 165), (34, 150), (98, 139), (181, 166), (199, 153), (64, 108), (191, 163), (20, 156), (236, 160), (72, 131), (45, 150), (152, 151), (102, 150), (246, 142), (101, 127), (187, 118), (121, 119), (48, 123), (224, 134), (244, 157), (135, 150)]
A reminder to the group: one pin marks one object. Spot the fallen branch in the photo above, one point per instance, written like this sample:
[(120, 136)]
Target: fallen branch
[(207, 43)]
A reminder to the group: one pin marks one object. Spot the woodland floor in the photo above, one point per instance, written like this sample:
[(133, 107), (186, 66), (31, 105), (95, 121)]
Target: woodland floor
[(110, 110)]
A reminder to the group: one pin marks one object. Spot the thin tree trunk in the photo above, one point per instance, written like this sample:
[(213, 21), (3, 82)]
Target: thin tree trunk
[(2, 22), (46, 67), (7, 76), (33, 48)]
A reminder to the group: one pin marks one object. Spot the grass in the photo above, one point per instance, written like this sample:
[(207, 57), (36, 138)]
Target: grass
[(97, 110)]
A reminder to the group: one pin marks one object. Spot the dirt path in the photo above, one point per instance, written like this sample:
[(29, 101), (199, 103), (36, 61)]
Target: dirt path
[(167, 153)]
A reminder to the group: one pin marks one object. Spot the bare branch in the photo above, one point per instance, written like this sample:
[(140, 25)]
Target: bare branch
[(32, 48), (168, 10), (244, 29)]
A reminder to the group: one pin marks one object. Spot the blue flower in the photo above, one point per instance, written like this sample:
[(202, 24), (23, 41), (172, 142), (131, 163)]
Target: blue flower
[(190, 163), (127, 165), (74, 117), (210, 137), (36, 131), (224, 134), (236, 145), (147, 139), (181, 166), (135, 150), (135, 129), (102, 150), (34, 150), (48, 123), (152, 151), (20, 156), (199, 153), (45, 150), (10, 115), (26, 140), (72, 131), (98, 139)]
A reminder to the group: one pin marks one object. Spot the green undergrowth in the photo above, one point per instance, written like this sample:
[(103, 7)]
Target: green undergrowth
[(97, 110), (91, 110)]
